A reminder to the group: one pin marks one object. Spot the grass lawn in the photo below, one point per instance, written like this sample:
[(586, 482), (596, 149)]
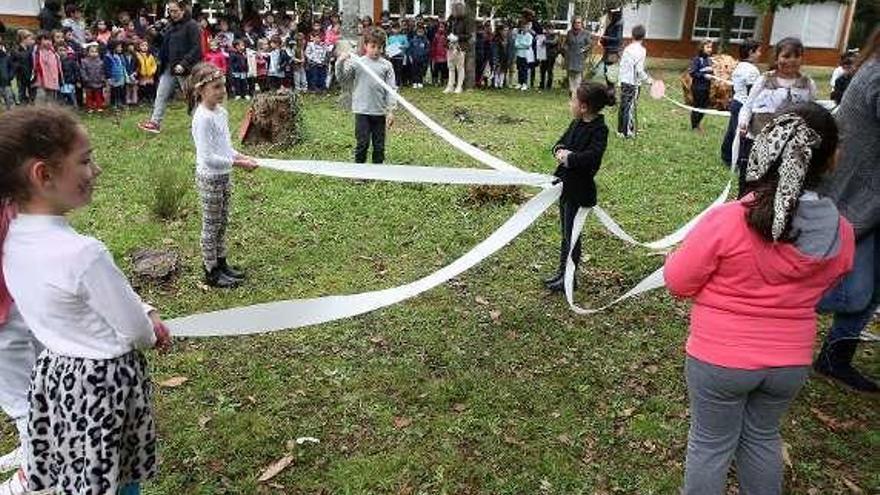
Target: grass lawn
[(487, 384)]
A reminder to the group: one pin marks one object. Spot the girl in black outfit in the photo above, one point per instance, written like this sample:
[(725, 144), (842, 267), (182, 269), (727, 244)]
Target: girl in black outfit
[(700, 84), (579, 155)]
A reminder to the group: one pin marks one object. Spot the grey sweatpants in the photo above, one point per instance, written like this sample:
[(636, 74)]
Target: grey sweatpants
[(735, 414)]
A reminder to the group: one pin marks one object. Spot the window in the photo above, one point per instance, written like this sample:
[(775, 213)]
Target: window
[(707, 23)]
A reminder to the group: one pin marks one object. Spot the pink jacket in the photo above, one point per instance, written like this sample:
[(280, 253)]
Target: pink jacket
[(7, 213), (753, 301)]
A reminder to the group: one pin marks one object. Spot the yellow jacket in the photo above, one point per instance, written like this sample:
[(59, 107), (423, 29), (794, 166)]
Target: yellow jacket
[(147, 65)]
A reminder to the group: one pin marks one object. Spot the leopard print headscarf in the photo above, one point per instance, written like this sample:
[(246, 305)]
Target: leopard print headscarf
[(789, 139)]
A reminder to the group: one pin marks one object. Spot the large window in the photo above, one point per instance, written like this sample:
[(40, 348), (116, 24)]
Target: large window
[(707, 23)]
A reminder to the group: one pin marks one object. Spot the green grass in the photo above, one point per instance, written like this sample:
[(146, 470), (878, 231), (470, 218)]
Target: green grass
[(537, 400)]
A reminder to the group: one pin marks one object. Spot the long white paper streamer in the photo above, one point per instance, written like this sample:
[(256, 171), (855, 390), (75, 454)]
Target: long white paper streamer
[(466, 148), (407, 173), (651, 282), (296, 313), (707, 111)]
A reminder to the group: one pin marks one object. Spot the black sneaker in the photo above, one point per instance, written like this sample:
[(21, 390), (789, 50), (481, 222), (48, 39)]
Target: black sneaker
[(230, 271), (835, 362)]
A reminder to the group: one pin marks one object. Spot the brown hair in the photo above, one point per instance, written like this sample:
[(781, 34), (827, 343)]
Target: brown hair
[(43, 132), (759, 214), (375, 35), (595, 96), (200, 75)]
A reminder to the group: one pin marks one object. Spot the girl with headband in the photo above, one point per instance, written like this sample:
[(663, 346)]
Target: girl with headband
[(215, 157), (755, 269)]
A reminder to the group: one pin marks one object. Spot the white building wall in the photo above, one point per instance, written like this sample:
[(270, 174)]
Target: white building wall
[(662, 19), (817, 25), (20, 7)]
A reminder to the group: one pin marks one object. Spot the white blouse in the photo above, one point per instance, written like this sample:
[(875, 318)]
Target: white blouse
[(210, 132), (69, 291)]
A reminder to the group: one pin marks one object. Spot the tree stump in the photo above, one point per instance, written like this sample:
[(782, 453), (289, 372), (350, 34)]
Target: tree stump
[(273, 118), (155, 265)]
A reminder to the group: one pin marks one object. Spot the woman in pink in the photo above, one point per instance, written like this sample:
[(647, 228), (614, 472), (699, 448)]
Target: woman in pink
[(755, 269)]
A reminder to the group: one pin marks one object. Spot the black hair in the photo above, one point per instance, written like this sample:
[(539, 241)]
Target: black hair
[(639, 32), (747, 48), (759, 214), (596, 96), (789, 43)]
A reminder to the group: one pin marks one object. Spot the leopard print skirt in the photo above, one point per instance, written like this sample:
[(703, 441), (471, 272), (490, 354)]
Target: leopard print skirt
[(91, 424)]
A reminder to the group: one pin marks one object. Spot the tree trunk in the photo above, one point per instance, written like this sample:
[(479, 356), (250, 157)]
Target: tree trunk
[(727, 9), (470, 64)]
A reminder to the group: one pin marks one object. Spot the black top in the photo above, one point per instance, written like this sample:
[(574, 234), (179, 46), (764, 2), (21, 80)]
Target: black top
[(181, 45), (587, 142)]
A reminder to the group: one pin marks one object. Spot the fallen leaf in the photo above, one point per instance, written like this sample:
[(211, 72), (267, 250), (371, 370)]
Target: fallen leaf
[(830, 421), (481, 300), (509, 439), (278, 466), (652, 369), (252, 399), (204, 420), (495, 315), (564, 439), (174, 382), (627, 412), (401, 422), (854, 488), (459, 407), (786, 455)]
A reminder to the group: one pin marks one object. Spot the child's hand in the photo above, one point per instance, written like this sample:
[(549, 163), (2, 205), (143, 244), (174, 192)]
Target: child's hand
[(743, 130), (245, 162), (390, 120), (163, 335), (561, 155), (343, 57)]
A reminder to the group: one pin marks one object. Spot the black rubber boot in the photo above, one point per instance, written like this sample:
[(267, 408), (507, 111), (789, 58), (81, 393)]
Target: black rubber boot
[(216, 278), (835, 362), (556, 277), (229, 271)]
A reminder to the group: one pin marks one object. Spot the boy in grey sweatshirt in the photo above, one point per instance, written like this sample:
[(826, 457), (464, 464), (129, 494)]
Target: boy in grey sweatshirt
[(372, 105)]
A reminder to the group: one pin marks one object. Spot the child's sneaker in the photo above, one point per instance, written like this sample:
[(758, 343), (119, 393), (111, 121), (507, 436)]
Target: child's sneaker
[(237, 97), (247, 97), (149, 126)]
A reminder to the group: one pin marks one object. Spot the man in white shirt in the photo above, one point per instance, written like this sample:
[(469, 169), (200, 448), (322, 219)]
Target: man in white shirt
[(632, 75)]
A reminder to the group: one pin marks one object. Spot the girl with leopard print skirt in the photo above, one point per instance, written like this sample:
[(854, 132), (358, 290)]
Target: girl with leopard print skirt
[(90, 420)]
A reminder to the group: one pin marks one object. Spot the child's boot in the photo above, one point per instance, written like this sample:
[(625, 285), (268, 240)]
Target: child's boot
[(216, 278), (230, 271)]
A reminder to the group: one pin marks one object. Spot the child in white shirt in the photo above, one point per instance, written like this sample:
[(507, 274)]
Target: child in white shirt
[(90, 387), (744, 76), (215, 158), (632, 75)]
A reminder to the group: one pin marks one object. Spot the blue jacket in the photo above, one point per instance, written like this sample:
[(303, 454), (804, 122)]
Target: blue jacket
[(418, 50), (114, 69), (698, 70)]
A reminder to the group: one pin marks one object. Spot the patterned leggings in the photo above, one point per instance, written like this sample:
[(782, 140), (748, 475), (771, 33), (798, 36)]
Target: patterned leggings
[(214, 193)]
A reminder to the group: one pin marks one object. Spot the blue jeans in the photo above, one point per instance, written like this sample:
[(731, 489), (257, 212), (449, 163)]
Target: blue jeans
[(854, 300), (316, 75), (732, 129)]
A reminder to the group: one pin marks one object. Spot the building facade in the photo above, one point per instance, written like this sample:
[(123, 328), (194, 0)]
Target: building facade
[(676, 26)]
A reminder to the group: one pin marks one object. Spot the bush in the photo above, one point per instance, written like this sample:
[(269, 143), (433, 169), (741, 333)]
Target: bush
[(169, 188)]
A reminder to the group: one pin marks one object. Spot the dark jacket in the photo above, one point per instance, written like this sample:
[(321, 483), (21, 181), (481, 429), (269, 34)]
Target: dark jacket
[(49, 20), (698, 74), (459, 26), (181, 45), (612, 37), (92, 73), (23, 65), (587, 142), (237, 62), (418, 49), (840, 85), (70, 68), (5, 69)]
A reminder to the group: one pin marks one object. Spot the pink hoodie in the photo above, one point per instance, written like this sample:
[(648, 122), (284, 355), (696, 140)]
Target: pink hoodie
[(7, 213), (754, 301)]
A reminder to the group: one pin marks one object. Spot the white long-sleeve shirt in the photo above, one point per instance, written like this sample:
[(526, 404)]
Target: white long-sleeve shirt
[(744, 75), (632, 65), (210, 131), (69, 291), (766, 100)]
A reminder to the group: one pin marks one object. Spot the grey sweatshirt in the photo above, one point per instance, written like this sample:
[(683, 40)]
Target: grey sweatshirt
[(368, 97), (855, 183), (816, 224)]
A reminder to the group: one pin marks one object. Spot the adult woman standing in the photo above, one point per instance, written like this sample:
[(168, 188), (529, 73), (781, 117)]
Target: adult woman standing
[(854, 187), (458, 40), (576, 41)]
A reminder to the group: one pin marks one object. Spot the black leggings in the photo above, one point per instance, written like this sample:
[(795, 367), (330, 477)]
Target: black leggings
[(701, 100)]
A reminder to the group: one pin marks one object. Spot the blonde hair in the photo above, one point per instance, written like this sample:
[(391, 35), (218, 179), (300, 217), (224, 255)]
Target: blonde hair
[(202, 74)]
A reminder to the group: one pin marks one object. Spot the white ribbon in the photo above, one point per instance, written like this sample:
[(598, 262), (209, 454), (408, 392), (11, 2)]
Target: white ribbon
[(410, 173), (707, 111), (296, 313)]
